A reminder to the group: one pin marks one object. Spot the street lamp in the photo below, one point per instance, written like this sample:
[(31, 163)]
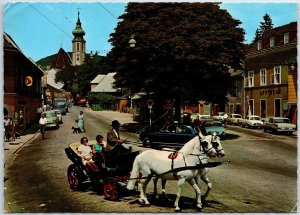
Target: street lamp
[(132, 42)]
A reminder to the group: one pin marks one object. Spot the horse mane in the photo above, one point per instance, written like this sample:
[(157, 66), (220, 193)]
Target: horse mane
[(189, 146)]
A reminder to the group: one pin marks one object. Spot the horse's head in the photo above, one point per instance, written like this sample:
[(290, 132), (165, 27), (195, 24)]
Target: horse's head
[(206, 145), (216, 142)]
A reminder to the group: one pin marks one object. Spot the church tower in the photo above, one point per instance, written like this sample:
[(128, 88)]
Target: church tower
[(78, 44)]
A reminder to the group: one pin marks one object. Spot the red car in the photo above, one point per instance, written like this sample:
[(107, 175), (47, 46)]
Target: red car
[(81, 101)]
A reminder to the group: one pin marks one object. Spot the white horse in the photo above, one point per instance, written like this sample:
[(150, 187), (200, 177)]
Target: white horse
[(153, 162), (202, 173)]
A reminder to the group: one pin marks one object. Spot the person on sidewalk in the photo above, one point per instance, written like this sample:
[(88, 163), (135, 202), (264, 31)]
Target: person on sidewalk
[(42, 123), (114, 142), (7, 126), (81, 122)]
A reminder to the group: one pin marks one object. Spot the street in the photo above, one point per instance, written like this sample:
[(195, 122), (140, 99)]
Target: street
[(261, 175)]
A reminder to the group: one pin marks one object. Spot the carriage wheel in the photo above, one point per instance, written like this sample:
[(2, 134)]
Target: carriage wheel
[(73, 177), (111, 189)]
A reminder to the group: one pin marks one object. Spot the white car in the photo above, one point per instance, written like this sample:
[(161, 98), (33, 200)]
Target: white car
[(219, 117), (252, 121), (279, 125)]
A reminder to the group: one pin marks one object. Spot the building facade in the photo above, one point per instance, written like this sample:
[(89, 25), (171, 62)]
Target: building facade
[(22, 85), (269, 70)]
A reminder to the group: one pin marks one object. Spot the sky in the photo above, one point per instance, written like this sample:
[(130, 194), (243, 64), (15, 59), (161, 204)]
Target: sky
[(41, 29)]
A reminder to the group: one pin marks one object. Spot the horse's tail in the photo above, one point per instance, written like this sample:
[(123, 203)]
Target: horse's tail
[(134, 174)]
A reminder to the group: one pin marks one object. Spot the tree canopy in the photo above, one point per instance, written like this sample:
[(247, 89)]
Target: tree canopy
[(78, 78), (265, 25), (183, 50)]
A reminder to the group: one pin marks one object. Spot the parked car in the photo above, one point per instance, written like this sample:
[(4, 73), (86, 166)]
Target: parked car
[(279, 125), (219, 116), (61, 107), (200, 118), (52, 119), (170, 135), (234, 119), (252, 121), (58, 114), (61, 102), (210, 127)]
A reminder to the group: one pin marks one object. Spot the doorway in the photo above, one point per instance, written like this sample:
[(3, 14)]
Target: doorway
[(277, 107), (263, 108)]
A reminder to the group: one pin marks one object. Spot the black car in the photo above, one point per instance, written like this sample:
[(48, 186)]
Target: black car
[(171, 135)]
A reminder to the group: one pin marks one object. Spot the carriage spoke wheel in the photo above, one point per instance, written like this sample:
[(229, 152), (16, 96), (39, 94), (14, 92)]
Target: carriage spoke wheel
[(111, 189), (73, 178)]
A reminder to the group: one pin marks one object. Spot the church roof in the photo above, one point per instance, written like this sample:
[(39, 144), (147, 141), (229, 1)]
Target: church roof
[(62, 60), (106, 84)]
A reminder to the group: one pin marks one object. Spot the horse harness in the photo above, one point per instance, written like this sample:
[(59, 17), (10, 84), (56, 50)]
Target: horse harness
[(174, 156)]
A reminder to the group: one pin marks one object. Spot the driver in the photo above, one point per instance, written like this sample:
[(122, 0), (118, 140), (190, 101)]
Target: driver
[(114, 142)]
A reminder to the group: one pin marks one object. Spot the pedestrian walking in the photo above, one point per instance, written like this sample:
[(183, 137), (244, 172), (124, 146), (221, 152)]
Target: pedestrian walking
[(81, 121), (43, 122)]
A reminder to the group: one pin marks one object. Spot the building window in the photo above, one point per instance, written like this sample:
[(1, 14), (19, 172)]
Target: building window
[(263, 80), (259, 45), (77, 46), (250, 79), (272, 41), (286, 38), (277, 75)]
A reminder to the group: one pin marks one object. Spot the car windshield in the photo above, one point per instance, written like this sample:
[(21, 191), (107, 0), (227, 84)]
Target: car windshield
[(221, 114), (210, 124), (254, 118), (236, 116), (282, 121), (50, 114), (204, 117)]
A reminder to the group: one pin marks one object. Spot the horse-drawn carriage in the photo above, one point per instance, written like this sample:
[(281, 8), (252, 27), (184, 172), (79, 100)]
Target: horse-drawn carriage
[(120, 173), (111, 176)]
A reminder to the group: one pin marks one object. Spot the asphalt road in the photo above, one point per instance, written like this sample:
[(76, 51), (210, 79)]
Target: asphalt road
[(261, 175)]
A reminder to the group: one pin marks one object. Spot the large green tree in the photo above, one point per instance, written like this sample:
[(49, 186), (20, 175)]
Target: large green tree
[(182, 52), (78, 78)]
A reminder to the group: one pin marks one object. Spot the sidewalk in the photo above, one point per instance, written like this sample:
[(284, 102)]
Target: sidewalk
[(12, 147)]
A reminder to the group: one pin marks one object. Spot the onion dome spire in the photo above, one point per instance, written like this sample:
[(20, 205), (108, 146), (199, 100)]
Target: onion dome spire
[(78, 31)]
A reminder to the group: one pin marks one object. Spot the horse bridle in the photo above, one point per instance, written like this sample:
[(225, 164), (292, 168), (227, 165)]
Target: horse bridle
[(203, 148), (215, 144)]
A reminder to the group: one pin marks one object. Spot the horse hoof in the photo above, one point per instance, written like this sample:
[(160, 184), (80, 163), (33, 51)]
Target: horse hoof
[(177, 210), (142, 201), (147, 205), (199, 208)]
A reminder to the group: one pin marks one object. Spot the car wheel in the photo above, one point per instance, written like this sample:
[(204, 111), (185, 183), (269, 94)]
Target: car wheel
[(146, 143)]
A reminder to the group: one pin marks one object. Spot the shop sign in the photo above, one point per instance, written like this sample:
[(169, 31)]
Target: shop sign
[(28, 81), (270, 92)]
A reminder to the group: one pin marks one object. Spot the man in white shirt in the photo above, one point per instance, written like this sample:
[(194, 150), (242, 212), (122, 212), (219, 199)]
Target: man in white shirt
[(43, 122)]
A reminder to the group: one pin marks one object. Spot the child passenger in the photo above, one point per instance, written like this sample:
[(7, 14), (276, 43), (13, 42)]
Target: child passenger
[(100, 145)]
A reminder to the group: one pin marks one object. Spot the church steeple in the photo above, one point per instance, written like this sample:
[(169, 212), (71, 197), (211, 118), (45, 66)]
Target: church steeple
[(78, 44)]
